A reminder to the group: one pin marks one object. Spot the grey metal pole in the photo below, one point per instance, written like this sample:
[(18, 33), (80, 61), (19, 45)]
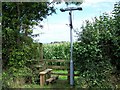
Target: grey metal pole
[(71, 42), (71, 51)]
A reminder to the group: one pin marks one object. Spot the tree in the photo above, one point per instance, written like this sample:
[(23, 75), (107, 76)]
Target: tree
[(17, 19)]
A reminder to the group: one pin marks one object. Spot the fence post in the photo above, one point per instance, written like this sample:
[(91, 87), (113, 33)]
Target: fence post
[(41, 51), (68, 70), (41, 56)]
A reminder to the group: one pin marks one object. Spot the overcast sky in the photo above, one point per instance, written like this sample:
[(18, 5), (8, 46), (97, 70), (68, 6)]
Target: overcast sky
[(56, 28)]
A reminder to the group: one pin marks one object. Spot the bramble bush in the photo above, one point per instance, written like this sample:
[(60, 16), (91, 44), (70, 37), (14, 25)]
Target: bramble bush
[(97, 53)]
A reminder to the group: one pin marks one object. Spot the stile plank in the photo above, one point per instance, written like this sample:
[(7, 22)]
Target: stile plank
[(55, 60), (57, 67)]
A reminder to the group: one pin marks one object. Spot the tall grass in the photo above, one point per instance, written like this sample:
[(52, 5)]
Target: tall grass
[(56, 51)]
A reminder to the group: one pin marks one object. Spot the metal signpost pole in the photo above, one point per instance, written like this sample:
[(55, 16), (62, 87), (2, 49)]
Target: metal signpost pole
[(71, 51), (71, 42)]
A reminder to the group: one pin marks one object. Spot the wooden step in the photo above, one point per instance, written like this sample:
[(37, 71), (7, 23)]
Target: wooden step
[(50, 80), (55, 77)]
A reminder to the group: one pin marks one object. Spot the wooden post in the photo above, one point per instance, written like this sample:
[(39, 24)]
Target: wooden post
[(68, 69), (41, 51), (68, 76), (48, 75), (43, 76), (41, 56), (42, 79)]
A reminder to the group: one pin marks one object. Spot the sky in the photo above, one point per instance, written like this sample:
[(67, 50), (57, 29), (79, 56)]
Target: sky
[(56, 27)]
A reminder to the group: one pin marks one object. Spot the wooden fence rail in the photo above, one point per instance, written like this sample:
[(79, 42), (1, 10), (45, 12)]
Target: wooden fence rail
[(63, 65)]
